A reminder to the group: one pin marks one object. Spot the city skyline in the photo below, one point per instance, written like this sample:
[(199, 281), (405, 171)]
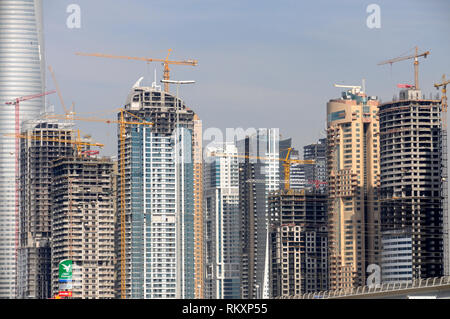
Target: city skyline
[(302, 158)]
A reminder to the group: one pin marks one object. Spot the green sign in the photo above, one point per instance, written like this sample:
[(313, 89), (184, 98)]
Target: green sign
[(65, 270)]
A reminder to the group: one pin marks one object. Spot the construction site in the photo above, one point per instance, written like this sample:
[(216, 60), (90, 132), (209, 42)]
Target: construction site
[(135, 227)]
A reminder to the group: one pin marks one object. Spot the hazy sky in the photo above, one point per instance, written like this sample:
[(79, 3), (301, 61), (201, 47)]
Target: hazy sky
[(261, 63)]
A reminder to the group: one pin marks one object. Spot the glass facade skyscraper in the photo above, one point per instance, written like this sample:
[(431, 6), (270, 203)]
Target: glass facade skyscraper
[(259, 175), (159, 197), (222, 223), (22, 73)]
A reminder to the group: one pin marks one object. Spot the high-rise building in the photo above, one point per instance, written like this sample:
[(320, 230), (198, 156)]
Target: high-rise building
[(22, 74), (299, 242), (222, 223), (353, 178), (159, 197), (38, 150), (83, 225), (257, 178), (316, 175), (411, 180)]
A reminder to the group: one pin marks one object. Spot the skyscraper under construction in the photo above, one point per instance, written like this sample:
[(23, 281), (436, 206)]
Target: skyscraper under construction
[(40, 146), (411, 187), (353, 178), (83, 225)]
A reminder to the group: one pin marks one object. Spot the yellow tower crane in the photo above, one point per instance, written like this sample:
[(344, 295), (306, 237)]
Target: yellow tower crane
[(165, 62), (122, 134), (78, 145), (287, 162)]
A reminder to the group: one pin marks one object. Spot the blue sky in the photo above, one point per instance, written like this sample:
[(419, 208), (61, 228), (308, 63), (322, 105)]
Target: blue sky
[(261, 63)]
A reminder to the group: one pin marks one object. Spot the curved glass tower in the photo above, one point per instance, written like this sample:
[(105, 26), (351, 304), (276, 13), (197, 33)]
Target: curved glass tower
[(21, 74)]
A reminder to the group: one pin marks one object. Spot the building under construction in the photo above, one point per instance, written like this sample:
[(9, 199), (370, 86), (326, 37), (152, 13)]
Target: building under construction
[(38, 149), (299, 242), (411, 182), (297, 171), (83, 225)]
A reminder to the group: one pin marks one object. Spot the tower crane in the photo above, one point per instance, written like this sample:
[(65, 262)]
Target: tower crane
[(77, 144), (16, 103), (444, 82), (287, 162), (165, 62), (70, 112), (122, 133), (414, 56)]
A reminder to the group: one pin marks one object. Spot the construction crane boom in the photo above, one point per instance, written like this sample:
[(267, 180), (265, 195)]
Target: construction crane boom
[(414, 56), (165, 62)]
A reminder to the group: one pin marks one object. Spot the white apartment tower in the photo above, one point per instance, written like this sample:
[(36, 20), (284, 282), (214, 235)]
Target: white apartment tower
[(222, 227)]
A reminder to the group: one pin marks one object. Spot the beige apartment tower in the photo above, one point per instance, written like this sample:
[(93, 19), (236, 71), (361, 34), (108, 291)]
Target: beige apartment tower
[(353, 179)]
